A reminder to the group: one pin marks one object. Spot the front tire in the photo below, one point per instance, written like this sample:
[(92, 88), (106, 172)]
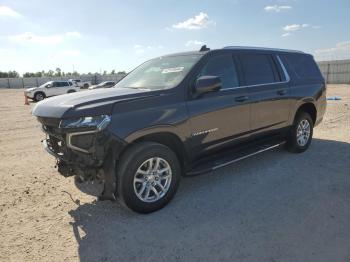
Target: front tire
[(148, 176), (39, 96), (300, 135)]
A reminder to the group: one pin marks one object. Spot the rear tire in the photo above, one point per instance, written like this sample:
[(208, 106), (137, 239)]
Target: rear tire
[(148, 176), (39, 96), (300, 134)]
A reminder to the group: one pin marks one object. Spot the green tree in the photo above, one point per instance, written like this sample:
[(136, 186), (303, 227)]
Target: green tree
[(58, 72), (50, 73)]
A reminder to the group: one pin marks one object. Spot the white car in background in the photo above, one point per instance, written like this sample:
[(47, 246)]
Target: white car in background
[(51, 88), (79, 82), (105, 84)]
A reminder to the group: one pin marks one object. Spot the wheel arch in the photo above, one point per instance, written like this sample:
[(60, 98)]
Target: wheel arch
[(166, 138), (309, 108), (39, 91)]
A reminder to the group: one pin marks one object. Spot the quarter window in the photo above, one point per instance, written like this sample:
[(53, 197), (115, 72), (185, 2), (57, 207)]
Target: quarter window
[(224, 67), (257, 69), (304, 66)]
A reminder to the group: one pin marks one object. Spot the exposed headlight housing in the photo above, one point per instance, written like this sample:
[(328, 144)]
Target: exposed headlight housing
[(90, 122)]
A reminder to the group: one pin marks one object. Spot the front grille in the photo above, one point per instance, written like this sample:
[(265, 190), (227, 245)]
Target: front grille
[(83, 141)]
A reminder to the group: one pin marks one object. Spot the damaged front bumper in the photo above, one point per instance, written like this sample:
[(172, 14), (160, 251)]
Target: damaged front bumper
[(89, 155), (80, 152)]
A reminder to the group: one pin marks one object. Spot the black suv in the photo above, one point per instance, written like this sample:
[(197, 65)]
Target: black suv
[(183, 114)]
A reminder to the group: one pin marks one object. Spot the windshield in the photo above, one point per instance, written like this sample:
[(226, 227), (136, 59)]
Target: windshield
[(47, 83), (159, 73)]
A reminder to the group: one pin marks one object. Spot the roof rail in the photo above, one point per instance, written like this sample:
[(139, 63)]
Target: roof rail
[(263, 48)]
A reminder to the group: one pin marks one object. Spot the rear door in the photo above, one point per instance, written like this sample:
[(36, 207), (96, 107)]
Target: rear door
[(53, 89), (220, 117), (65, 86), (268, 89)]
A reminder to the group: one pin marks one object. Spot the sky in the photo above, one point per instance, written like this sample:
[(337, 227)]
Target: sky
[(93, 36)]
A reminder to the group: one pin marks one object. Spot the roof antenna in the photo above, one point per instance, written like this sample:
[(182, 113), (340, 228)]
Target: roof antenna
[(204, 48)]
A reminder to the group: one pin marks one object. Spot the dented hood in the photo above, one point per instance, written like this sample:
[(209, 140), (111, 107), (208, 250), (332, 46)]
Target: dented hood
[(86, 103)]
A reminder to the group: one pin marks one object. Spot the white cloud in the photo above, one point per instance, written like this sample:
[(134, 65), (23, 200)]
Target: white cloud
[(277, 8), (286, 34), (9, 12), (294, 27), (31, 38), (289, 29), (197, 22), (194, 42), (339, 48)]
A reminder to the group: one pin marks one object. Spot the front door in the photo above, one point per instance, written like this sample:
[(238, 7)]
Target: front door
[(219, 117)]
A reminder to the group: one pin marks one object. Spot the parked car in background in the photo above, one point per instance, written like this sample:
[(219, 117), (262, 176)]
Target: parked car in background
[(184, 114), (51, 88), (105, 84), (80, 83)]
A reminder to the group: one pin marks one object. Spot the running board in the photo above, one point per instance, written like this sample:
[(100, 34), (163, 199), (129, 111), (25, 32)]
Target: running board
[(233, 156)]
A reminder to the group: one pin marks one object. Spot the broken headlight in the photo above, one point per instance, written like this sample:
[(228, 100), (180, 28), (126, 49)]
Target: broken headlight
[(97, 122)]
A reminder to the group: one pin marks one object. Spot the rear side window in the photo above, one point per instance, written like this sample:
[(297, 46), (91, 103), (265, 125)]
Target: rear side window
[(224, 67), (303, 66), (258, 69)]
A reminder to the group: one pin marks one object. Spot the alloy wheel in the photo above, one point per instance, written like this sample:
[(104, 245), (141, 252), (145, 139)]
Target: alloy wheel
[(152, 179), (303, 132)]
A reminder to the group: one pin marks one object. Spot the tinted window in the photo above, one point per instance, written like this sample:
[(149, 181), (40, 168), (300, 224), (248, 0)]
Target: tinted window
[(257, 69), (304, 66), (224, 67), (55, 84)]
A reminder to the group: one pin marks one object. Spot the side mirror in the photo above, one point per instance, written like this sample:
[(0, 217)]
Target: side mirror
[(48, 86), (206, 84)]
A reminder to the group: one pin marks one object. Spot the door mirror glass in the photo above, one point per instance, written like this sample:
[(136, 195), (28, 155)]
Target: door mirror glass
[(205, 84), (48, 86)]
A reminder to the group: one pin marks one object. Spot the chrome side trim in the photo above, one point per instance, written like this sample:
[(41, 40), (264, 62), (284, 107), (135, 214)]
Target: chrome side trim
[(69, 140), (285, 72), (286, 75), (244, 157)]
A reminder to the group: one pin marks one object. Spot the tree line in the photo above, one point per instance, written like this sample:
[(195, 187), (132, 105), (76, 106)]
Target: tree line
[(50, 73)]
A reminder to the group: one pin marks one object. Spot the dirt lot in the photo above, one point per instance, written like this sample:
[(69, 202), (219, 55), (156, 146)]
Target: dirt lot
[(273, 207)]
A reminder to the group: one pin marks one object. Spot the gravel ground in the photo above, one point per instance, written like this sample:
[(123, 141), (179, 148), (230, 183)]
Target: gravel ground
[(276, 206)]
